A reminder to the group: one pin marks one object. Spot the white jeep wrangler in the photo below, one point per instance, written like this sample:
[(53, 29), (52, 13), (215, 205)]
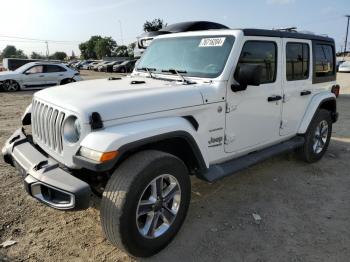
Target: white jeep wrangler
[(206, 103)]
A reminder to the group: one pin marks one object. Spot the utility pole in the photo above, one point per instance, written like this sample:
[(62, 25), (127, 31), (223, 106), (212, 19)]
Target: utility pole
[(121, 31), (347, 32), (47, 49)]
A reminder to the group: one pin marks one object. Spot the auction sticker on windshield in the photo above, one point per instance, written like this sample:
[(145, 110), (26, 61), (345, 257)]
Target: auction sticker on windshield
[(209, 42)]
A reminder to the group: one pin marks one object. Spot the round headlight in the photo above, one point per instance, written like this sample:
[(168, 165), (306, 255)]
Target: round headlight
[(72, 129)]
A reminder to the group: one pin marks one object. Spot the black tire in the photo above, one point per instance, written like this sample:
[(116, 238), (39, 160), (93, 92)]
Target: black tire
[(121, 198), (307, 151), (11, 86), (67, 81), (122, 70)]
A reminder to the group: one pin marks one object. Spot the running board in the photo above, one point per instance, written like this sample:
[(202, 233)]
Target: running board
[(230, 167)]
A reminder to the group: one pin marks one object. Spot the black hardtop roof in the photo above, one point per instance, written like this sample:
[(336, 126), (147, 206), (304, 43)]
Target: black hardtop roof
[(192, 26), (285, 34), (185, 27)]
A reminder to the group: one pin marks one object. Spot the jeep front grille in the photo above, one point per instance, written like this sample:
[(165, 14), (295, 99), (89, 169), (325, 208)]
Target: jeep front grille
[(47, 125)]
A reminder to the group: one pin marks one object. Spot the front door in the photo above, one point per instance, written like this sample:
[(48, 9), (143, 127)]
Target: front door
[(253, 116), (34, 77)]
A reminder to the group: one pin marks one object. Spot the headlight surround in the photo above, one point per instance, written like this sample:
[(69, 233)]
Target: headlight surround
[(72, 129)]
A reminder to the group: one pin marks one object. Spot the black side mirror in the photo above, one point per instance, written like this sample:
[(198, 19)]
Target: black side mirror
[(247, 75)]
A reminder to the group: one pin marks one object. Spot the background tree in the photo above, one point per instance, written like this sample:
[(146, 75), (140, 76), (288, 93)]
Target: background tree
[(11, 51), (105, 46), (58, 56), (97, 47), (87, 48), (121, 51), (35, 55), (131, 48), (73, 56), (154, 25)]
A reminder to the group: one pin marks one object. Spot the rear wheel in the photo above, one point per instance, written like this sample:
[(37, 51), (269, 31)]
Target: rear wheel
[(67, 81), (145, 202), (11, 86), (317, 137)]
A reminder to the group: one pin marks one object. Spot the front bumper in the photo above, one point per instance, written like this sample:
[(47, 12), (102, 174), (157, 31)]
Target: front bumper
[(43, 178)]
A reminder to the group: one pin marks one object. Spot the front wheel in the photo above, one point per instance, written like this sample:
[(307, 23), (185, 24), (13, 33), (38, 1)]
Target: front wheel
[(145, 202), (11, 86), (317, 137)]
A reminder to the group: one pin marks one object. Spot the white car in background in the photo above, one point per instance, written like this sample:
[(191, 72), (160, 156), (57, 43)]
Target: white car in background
[(345, 67), (37, 75)]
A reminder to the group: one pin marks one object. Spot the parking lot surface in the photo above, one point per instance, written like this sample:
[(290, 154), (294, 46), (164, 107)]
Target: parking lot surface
[(304, 209)]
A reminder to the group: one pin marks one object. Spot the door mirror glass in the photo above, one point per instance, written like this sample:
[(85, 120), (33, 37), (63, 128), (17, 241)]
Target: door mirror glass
[(247, 75)]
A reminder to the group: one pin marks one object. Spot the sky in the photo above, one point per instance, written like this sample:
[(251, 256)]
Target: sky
[(66, 23)]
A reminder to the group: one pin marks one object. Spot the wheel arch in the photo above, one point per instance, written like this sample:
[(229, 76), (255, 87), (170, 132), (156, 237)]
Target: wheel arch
[(178, 143), (173, 135), (322, 101), (64, 80)]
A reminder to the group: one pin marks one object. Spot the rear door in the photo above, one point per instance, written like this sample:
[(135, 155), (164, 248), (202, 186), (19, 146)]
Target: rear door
[(253, 115), (297, 83), (54, 74)]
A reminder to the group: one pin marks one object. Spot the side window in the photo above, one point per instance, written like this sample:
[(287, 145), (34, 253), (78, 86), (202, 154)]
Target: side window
[(324, 62), (35, 70), (297, 61), (261, 53), (54, 69)]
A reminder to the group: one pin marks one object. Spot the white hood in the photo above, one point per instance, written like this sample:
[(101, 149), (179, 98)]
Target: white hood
[(115, 99)]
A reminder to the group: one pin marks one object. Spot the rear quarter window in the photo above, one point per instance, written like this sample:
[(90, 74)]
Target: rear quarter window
[(324, 62)]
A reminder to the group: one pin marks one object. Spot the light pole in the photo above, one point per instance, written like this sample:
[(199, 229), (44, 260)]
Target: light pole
[(347, 32), (47, 49), (121, 31)]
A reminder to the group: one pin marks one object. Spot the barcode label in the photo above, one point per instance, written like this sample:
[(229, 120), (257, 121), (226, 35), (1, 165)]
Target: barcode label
[(209, 42)]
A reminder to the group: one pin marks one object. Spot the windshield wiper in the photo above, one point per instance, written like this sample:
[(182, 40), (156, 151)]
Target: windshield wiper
[(147, 69), (179, 73)]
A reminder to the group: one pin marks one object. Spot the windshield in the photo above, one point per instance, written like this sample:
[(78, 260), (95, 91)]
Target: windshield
[(198, 56), (23, 67)]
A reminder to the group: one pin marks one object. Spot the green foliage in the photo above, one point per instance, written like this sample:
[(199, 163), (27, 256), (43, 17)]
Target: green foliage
[(131, 48), (97, 47), (35, 55), (11, 51), (154, 25), (58, 56), (121, 51), (105, 46)]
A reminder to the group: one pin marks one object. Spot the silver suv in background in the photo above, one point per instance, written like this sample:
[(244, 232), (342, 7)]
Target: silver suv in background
[(37, 75)]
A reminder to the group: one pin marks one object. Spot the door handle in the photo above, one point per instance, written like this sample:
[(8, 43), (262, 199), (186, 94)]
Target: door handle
[(41, 76), (305, 93), (274, 98)]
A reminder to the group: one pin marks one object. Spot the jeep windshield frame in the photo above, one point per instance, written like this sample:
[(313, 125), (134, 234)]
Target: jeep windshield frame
[(202, 56)]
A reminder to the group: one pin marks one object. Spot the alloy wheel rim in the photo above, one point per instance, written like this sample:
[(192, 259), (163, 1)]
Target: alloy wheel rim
[(11, 86), (320, 136), (158, 206)]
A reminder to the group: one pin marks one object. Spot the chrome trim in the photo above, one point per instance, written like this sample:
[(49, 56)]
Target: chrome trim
[(47, 124), (36, 192)]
